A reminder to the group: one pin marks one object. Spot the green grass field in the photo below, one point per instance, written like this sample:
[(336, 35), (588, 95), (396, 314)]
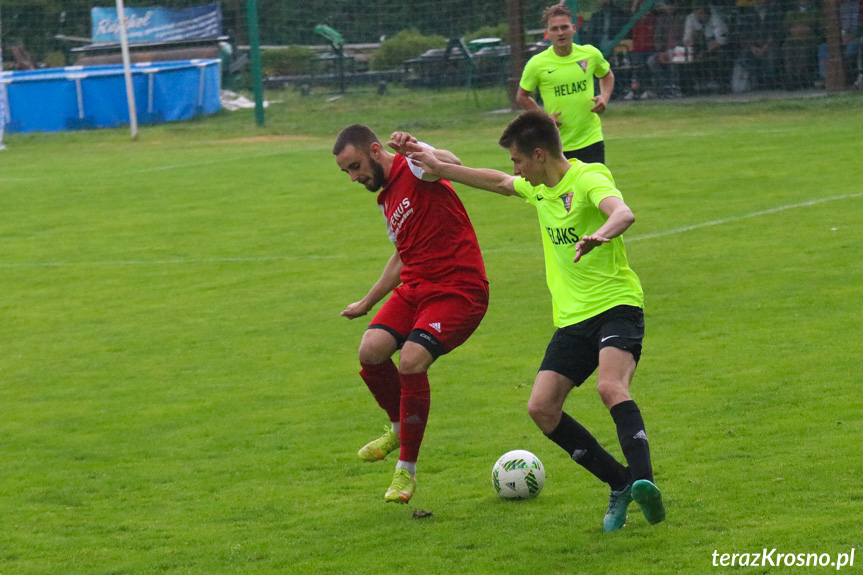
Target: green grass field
[(180, 395)]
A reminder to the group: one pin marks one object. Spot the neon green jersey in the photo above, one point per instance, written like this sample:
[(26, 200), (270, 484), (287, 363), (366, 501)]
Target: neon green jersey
[(602, 279), (566, 86)]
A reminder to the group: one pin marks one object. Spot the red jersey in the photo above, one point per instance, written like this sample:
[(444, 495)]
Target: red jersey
[(642, 34), (430, 227)]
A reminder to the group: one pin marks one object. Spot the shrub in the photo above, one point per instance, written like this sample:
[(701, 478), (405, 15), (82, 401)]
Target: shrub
[(500, 31), (404, 45), (55, 59), (288, 61)]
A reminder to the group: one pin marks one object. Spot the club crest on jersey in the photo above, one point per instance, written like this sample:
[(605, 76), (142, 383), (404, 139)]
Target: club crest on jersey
[(583, 64), (567, 201)]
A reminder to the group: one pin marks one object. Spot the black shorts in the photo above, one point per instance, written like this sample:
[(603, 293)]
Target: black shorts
[(592, 154), (574, 350)]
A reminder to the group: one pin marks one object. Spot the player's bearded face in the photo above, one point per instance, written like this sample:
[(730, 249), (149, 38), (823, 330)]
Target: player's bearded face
[(362, 168), (377, 179)]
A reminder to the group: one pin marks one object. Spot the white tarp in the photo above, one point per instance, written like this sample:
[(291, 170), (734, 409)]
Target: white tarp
[(233, 101)]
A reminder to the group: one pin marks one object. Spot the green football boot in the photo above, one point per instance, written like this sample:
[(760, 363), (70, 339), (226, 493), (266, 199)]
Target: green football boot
[(402, 488), (380, 447), (615, 517), (649, 498)]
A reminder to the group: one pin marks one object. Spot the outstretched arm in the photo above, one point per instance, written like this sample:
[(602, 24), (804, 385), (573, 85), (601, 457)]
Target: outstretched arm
[(481, 178), (620, 217), (388, 281), (399, 142)]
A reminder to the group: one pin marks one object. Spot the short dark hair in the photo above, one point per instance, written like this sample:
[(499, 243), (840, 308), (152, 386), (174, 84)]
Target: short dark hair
[(531, 130), (559, 9), (357, 135)]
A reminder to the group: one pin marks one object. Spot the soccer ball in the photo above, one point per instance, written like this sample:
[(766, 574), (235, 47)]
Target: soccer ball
[(518, 474)]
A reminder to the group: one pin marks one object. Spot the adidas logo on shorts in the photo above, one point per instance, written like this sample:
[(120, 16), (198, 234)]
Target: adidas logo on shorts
[(435, 326)]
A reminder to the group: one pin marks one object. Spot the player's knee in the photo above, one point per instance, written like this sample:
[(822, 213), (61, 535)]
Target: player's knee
[(376, 347), (414, 358), (409, 364), (612, 392), (371, 354), (542, 413)]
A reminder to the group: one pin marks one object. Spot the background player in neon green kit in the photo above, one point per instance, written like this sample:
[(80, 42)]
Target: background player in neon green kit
[(597, 300), (564, 75)]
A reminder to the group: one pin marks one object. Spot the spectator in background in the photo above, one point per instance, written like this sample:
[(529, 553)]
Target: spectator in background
[(604, 25), (849, 19), (802, 33), (23, 60), (706, 34), (667, 35), (757, 66), (642, 48)]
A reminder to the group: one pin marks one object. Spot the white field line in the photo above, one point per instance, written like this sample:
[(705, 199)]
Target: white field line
[(207, 162), (168, 167), (172, 261), (678, 135), (743, 217), (260, 259)]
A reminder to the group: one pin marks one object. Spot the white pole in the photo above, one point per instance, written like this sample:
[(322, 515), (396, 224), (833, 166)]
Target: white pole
[(127, 69)]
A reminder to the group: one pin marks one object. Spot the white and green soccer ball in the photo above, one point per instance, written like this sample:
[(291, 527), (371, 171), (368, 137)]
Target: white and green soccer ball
[(518, 474)]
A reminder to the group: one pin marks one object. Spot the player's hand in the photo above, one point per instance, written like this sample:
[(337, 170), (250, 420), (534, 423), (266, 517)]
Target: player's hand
[(399, 142), (355, 310), (586, 244), (556, 118), (600, 104), (423, 157)]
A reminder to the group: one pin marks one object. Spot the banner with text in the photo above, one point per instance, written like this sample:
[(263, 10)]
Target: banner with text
[(156, 24)]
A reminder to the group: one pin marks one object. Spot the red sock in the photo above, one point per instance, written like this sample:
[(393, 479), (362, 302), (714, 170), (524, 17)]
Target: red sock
[(415, 401), (382, 380)]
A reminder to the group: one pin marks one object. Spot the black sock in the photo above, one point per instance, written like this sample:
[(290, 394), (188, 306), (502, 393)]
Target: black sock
[(633, 439), (585, 450)]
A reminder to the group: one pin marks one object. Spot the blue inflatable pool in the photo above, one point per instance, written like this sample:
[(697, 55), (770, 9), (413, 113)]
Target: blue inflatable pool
[(84, 97)]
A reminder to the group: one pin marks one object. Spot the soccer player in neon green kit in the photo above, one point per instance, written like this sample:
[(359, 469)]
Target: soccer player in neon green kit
[(596, 297), (564, 75)]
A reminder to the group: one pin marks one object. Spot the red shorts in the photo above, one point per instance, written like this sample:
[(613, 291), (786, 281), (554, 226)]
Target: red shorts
[(438, 316)]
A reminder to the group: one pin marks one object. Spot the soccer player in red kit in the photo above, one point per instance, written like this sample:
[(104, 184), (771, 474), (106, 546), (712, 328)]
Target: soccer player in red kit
[(438, 284)]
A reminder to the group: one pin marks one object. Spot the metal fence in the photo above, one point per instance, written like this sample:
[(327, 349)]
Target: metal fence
[(657, 48)]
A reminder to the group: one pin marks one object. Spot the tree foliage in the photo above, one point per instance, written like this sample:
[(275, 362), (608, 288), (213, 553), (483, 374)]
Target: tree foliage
[(406, 44)]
